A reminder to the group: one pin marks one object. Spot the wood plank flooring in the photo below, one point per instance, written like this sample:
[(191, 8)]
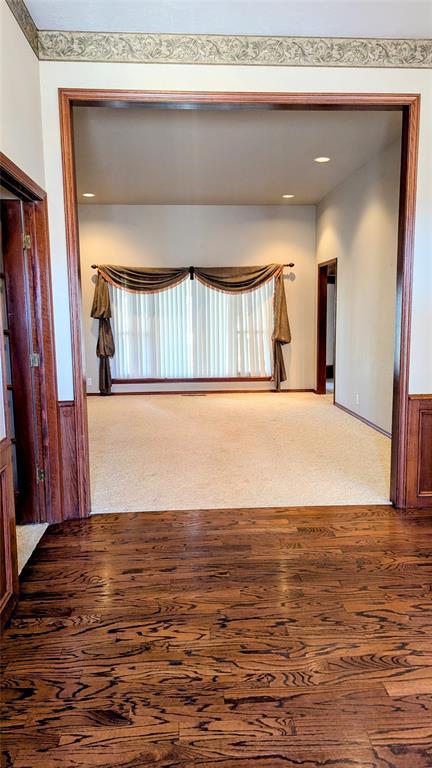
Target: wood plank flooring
[(224, 639)]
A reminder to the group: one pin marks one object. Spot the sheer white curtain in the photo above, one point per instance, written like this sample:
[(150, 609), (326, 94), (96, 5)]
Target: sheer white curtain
[(192, 331), (232, 332)]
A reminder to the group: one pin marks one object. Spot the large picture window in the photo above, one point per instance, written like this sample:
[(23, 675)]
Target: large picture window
[(192, 331)]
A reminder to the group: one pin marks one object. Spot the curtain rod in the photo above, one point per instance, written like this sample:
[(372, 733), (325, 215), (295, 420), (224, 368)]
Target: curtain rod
[(291, 264)]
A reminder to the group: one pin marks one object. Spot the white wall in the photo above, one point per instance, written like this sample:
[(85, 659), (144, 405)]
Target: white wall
[(358, 224), (21, 121), (208, 235), (56, 75), (20, 108)]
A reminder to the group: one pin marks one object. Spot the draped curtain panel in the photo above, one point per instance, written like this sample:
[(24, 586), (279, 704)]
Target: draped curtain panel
[(152, 280), (135, 280)]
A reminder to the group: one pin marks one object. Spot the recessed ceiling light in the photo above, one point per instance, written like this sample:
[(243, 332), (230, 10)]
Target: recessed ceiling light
[(288, 196), (321, 159), (88, 194)]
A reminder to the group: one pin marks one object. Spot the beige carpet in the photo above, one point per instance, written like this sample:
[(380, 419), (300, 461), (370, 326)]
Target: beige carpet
[(233, 450)]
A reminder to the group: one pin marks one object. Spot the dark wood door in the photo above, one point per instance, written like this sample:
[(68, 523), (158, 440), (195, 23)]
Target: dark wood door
[(23, 386)]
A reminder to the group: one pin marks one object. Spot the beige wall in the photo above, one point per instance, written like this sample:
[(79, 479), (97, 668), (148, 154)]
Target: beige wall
[(357, 223), (56, 75), (177, 235), (20, 107), (20, 101)]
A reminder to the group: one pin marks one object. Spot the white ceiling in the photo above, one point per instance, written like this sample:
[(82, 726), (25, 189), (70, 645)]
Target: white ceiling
[(221, 157), (322, 18)]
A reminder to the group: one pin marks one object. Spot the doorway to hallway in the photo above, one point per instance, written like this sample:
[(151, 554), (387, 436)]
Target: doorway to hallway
[(326, 328)]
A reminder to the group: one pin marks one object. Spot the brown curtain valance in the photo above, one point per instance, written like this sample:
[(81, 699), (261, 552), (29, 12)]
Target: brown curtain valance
[(152, 279), (143, 279), (237, 279)]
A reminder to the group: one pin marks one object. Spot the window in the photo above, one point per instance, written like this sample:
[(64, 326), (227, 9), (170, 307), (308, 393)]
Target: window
[(192, 331)]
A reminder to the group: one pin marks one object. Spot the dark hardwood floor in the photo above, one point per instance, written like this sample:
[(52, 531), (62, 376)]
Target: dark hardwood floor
[(264, 638)]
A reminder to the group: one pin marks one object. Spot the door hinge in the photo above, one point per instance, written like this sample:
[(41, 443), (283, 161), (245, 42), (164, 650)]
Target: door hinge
[(34, 360), (40, 475), (27, 242)]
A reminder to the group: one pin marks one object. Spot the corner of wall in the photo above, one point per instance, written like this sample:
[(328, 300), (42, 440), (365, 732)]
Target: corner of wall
[(21, 136)]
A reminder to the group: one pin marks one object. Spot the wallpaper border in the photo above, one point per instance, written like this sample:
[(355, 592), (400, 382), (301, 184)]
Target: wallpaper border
[(246, 50), (25, 21), (231, 50)]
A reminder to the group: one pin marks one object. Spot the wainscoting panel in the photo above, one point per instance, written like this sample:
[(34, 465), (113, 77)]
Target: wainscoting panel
[(8, 555), (419, 472), (69, 464)]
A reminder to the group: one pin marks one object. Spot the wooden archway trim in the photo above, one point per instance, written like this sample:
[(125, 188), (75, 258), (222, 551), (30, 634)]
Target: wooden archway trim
[(408, 104)]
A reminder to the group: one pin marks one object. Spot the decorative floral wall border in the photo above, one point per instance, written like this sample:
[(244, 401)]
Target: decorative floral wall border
[(144, 48), (22, 15), (228, 49)]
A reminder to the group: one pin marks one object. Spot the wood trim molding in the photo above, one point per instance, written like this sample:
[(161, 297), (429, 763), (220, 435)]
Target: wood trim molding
[(37, 214), (419, 474), (70, 477), (72, 241), (362, 418), (18, 182), (408, 103), (203, 392), (54, 466), (328, 263), (405, 259), (111, 97)]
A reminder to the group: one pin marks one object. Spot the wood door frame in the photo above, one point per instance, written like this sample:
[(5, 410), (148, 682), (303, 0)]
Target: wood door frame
[(408, 104), (16, 219), (321, 375), (19, 183)]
